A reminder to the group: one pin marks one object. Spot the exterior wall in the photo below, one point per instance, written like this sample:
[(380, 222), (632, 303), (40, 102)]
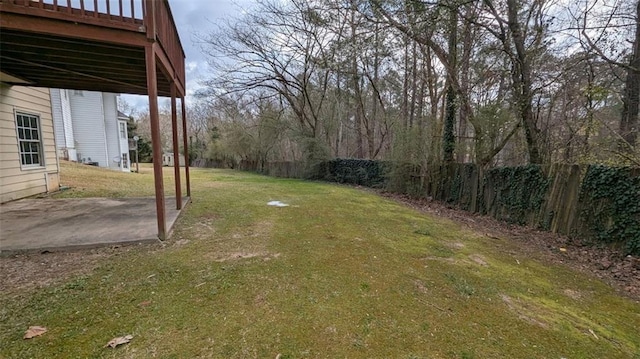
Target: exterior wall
[(111, 129), (62, 124), (17, 181), (88, 127), (124, 144), (167, 159)]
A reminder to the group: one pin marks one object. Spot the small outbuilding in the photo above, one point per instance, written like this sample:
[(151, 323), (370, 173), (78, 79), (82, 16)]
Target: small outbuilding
[(167, 159)]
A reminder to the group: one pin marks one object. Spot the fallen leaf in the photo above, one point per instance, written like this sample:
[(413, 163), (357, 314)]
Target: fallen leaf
[(563, 249), (119, 340), (145, 303), (34, 331)]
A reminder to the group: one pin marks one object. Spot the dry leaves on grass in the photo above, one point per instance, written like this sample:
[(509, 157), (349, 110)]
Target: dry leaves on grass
[(34, 331), (119, 340)]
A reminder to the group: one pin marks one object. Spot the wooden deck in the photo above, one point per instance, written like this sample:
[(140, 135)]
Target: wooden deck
[(119, 46), (90, 44)]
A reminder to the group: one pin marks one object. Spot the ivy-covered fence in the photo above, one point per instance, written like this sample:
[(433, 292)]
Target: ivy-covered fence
[(285, 169), (350, 171), (353, 171), (595, 203), (610, 206)]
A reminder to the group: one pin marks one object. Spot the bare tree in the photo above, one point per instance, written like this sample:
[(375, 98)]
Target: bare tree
[(597, 25)]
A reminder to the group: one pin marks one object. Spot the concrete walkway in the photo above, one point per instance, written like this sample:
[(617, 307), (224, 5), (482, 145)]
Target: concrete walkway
[(53, 224)]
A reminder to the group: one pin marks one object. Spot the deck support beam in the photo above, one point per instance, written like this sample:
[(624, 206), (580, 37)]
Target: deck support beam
[(152, 88), (185, 145), (176, 147)]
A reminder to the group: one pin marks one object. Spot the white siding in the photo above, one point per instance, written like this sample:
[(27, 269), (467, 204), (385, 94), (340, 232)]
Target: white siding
[(89, 126), (66, 116), (58, 123), (111, 128), (16, 181), (124, 145), (61, 110)]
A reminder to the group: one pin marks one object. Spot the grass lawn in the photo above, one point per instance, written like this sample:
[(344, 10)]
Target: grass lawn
[(340, 273)]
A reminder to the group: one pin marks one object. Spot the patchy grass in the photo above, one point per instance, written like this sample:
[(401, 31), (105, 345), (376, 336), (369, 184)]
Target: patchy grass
[(338, 273), (90, 181)]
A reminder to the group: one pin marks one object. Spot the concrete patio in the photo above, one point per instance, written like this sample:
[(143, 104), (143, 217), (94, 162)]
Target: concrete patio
[(55, 224)]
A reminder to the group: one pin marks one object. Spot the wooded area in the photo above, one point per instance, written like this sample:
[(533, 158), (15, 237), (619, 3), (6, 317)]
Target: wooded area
[(494, 82)]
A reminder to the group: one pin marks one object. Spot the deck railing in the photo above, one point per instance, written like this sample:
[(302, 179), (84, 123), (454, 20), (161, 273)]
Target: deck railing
[(85, 11), (132, 15), (167, 36)]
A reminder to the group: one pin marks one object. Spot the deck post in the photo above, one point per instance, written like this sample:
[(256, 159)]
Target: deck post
[(176, 147), (149, 12), (154, 119), (185, 145)]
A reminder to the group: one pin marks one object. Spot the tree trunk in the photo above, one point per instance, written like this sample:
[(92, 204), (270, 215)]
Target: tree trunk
[(357, 98), (432, 84), (465, 110), (405, 85), (521, 73), (448, 138), (631, 97), (371, 129), (414, 83)]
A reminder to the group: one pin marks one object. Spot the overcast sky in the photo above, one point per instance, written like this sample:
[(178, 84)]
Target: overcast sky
[(193, 17)]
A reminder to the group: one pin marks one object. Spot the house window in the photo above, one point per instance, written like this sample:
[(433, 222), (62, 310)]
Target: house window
[(123, 130), (78, 93), (125, 160), (29, 140)]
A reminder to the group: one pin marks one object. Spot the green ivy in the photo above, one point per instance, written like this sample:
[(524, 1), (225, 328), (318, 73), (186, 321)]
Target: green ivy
[(521, 190), (462, 175), (369, 173), (610, 199)]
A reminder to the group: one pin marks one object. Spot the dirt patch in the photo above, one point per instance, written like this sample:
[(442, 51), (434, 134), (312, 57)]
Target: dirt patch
[(258, 230), (420, 286), (478, 259), (181, 242), (609, 264), (442, 259), (455, 245), (19, 272), (522, 310), (260, 300), (224, 257), (573, 294)]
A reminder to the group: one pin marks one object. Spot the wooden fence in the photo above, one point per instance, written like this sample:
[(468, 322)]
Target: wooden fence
[(550, 197)]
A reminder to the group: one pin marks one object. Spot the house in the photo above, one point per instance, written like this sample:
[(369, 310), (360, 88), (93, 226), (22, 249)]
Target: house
[(90, 129), (28, 161)]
